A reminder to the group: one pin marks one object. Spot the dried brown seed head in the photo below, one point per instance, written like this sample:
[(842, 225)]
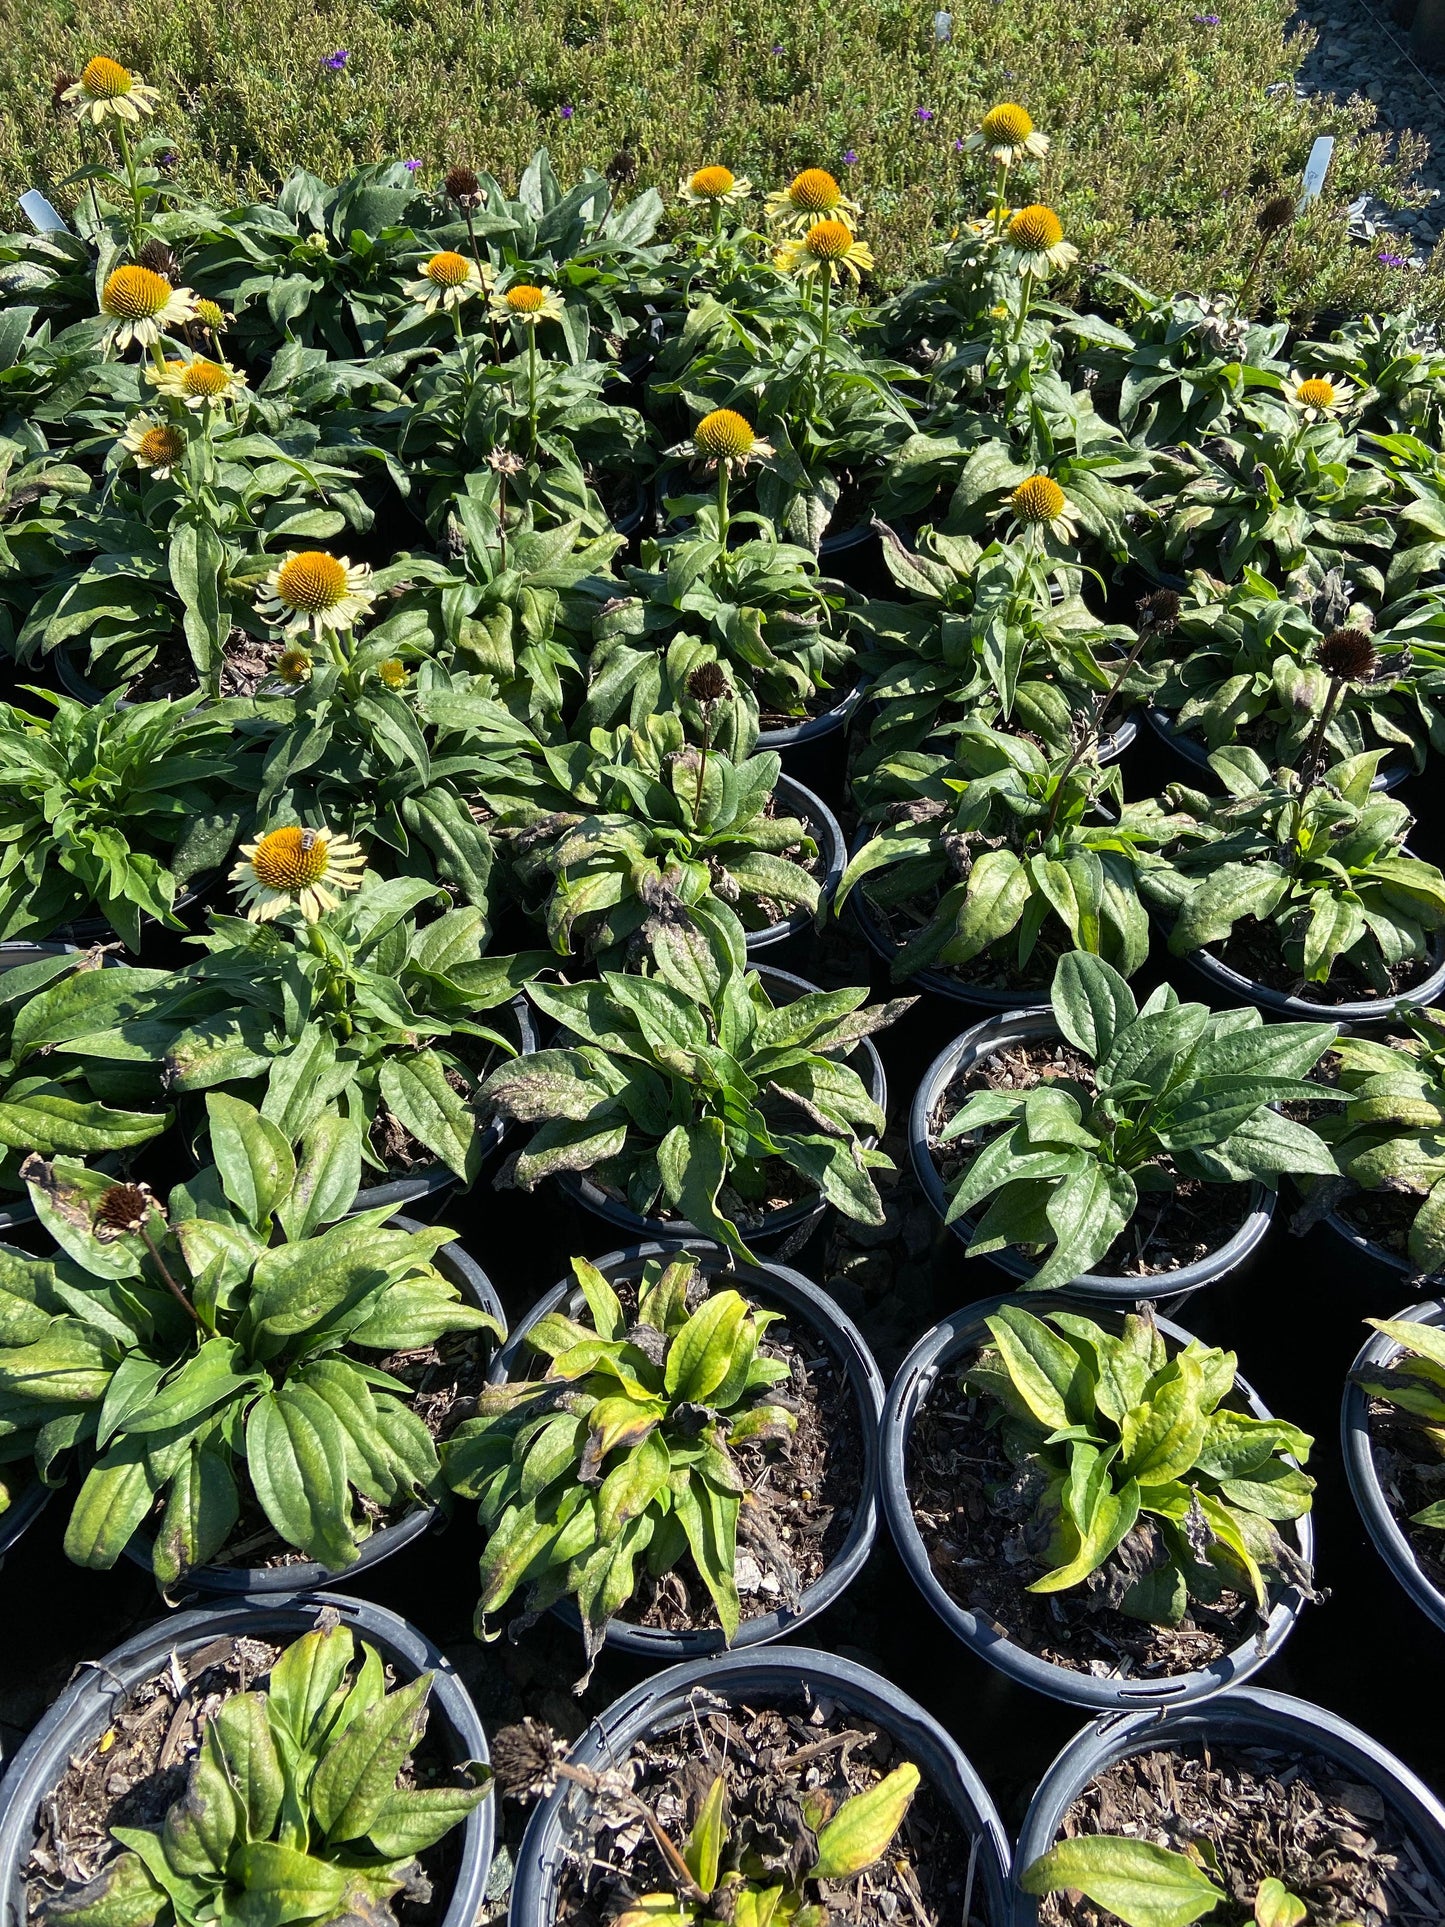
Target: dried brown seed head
[(707, 683), (1276, 214), (160, 258), (1348, 654), (1160, 611), (524, 1758), (122, 1211), (463, 187)]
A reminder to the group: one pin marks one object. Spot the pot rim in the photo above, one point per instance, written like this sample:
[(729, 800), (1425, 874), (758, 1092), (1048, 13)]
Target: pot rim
[(1387, 1534), (907, 1395), (828, 836)]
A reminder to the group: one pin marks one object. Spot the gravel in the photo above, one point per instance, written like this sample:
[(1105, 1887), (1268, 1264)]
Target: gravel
[(1365, 49)]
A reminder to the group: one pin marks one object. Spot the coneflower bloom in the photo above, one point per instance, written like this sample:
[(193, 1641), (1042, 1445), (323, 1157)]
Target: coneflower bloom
[(308, 869), (811, 196), (1316, 395), (525, 303), (212, 316), (195, 382), (1039, 505), (156, 446), (140, 304), (1007, 135), (315, 590), (393, 672), (710, 185), (1034, 243), (824, 249), (729, 438), (106, 90), (447, 280)]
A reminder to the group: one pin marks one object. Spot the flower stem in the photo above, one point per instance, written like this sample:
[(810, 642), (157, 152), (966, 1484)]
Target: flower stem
[(1026, 290), (702, 765), (171, 1285), (532, 390), (722, 501), (1310, 765), (137, 220), (998, 197)]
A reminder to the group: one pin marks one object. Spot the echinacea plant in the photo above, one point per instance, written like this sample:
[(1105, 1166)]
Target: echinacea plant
[(1171, 1091), (1146, 1885), (193, 1354), (1135, 1466), (292, 1809), (360, 1024), (1388, 1136), (605, 836), (620, 1451), (107, 812), (730, 1862), (1002, 849), (1412, 1382), (692, 1092), (980, 636), (50, 1100), (1321, 868)]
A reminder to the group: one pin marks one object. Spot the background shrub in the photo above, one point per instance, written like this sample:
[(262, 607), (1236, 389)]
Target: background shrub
[(1165, 133)]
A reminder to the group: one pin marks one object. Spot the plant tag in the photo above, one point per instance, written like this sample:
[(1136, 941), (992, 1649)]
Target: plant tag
[(1316, 168), (40, 214), (942, 26)]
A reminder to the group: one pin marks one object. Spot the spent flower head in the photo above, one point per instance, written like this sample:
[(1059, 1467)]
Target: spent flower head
[(1348, 654), (122, 1212), (108, 91)]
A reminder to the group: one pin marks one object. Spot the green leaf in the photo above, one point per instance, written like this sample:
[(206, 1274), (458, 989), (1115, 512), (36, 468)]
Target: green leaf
[(1092, 1003), (1145, 1885), (122, 1895), (255, 1161), (412, 1819), (243, 1732), (358, 1771), (703, 1851), (305, 1677), (1162, 1437), (1276, 1906), (282, 1884), (701, 1355), (416, 1091), (860, 1831), (296, 1456), (1047, 1372)]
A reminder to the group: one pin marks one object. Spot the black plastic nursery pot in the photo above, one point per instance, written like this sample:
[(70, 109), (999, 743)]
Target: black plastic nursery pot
[(1249, 1718), (811, 729), (802, 1302), (946, 1346), (782, 1676), (794, 799), (1382, 1523), (1230, 985), (1022, 1026), (1193, 754), (304, 1575), (85, 1709), (1370, 1250), (22, 1512), (773, 1227), (938, 983)]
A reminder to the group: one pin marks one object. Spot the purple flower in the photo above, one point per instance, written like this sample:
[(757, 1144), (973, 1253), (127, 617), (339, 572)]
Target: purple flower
[(1206, 19), (337, 60), (411, 166), (924, 114), (1389, 260), (777, 49), (565, 112), (958, 147), (850, 159)]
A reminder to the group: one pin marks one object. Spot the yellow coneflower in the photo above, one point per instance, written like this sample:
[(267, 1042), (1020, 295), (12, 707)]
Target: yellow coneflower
[(1034, 242), (140, 304), (712, 185), (393, 672), (294, 666), (159, 447), (1316, 395), (726, 436), (212, 316), (525, 303), (1007, 135), (310, 869), (108, 90), (315, 590), (809, 196), (825, 248), (447, 280), (1039, 504), (197, 382)]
